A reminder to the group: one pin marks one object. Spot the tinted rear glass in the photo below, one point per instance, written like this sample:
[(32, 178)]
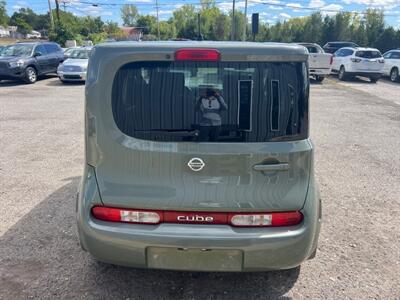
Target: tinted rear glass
[(368, 54), (212, 101)]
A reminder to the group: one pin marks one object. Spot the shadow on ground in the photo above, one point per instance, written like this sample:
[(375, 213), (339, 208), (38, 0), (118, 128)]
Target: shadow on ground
[(40, 258), (64, 84), (6, 83), (355, 79)]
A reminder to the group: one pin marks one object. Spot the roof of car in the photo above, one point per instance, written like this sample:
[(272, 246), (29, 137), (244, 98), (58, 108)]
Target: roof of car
[(361, 48), (253, 48), (34, 43), (311, 44), (341, 42)]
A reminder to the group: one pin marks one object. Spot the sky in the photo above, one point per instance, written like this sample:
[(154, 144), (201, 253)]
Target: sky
[(270, 11)]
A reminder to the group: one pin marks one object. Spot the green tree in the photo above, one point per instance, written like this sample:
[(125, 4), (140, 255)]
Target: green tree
[(148, 24), (167, 30), (113, 31), (342, 26), (220, 29), (207, 4), (23, 26), (239, 25), (60, 34), (98, 37), (359, 34), (375, 25), (3, 13), (129, 14), (214, 24), (185, 22), (387, 40), (313, 29), (328, 30), (90, 25)]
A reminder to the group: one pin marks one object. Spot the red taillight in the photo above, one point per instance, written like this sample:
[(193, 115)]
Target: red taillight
[(274, 219), (331, 60), (112, 214), (271, 219), (198, 54)]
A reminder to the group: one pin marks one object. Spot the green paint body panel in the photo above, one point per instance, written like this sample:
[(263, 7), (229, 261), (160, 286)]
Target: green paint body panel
[(122, 171)]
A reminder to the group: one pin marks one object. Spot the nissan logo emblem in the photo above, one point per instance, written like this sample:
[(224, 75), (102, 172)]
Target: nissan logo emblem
[(196, 164)]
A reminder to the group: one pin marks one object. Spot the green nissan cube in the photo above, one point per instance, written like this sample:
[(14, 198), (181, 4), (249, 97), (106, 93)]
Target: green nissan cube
[(198, 157)]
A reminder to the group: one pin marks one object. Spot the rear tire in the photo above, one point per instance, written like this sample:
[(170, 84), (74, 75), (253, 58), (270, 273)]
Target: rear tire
[(342, 74), (374, 79), (319, 78), (313, 254), (30, 75), (394, 75)]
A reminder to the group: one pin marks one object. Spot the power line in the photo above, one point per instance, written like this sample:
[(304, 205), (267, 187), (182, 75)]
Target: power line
[(265, 3)]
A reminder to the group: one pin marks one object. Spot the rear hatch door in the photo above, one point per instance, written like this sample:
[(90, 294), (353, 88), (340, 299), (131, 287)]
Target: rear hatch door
[(150, 155)]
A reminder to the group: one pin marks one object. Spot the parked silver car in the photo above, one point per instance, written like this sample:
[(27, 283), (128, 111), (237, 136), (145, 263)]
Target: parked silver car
[(198, 157), (75, 67)]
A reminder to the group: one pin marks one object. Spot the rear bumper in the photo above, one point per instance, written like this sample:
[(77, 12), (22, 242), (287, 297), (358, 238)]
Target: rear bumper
[(256, 249), (365, 74), (320, 72)]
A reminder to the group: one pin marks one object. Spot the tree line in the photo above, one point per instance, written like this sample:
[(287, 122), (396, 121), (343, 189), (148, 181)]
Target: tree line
[(366, 29)]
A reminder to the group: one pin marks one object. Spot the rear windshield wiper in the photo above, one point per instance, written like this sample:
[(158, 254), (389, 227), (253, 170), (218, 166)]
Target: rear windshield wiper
[(170, 132)]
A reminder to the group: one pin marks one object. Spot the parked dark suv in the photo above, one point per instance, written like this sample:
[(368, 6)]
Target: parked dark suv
[(332, 47), (27, 61)]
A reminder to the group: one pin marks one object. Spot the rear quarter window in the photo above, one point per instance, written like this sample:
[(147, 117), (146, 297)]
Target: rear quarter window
[(212, 101)]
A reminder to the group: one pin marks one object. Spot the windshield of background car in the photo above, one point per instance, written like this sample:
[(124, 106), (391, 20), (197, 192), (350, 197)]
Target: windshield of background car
[(212, 101), (17, 50), (368, 54), (393, 55), (79, 54)]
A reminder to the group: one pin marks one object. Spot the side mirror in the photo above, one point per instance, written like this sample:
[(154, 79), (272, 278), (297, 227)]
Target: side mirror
[(37, 54)]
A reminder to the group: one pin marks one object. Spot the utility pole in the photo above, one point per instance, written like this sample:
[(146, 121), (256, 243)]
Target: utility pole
[(51, 15), (245, 22), (233, 21), (199, 37), (65, 6), (58, 11), (158, 21)]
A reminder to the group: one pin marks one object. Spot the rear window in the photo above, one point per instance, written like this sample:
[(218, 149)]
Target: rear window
[(52, 48), (312, 49), (368, 54), (212, 101)]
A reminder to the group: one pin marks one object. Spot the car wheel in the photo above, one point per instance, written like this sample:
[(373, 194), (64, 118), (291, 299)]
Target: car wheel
[(342, 74), (319, 78), (30, 75), (394, 75)]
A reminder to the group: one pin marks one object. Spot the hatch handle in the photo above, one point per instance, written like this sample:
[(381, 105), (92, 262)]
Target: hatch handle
[(271, 167)]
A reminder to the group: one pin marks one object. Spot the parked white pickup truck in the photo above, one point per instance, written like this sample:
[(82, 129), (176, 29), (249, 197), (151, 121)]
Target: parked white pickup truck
[(319, 62)]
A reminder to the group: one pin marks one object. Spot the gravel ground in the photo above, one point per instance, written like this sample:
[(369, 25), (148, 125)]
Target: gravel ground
[(355, 127)]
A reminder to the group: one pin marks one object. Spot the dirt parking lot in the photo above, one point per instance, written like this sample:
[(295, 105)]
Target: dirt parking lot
[(355, 127)]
